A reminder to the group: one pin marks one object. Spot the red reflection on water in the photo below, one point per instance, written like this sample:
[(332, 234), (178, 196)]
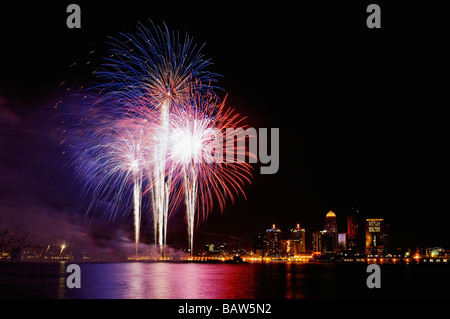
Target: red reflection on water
[(167, 281), (199, 281)]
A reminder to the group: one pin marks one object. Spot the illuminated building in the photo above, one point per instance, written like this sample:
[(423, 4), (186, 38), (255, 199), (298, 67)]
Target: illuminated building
[(287, 248), (215, 250), (223, 249), (355, 232), (330, 222), (435, 252), (377, 239), (318, 241), (298, 240), (325, 241), (352, 231), (260, 243), (329, 241), (273, 242), (329, 237), (342, 241), (290, 247)]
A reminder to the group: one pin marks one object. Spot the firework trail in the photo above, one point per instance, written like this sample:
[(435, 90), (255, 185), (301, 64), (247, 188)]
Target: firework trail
[(137, 199), (127, 152), (162, 183), (63, 246)]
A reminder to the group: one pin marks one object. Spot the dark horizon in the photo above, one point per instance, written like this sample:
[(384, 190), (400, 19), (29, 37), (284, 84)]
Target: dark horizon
[(360, 114)]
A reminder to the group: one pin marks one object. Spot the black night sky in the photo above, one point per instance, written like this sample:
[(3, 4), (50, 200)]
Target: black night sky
[(361, 112)]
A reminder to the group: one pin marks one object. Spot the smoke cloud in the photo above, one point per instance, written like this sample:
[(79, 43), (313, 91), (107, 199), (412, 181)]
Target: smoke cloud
[(37, 189)]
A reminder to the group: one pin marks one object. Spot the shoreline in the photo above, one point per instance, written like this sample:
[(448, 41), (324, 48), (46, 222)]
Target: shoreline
[(362, 260)]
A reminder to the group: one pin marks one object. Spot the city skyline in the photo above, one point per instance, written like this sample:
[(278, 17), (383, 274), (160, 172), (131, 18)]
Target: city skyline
[(270, 242)]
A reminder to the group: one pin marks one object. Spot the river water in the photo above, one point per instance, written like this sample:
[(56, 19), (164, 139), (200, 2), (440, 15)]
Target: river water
[(137, 280)]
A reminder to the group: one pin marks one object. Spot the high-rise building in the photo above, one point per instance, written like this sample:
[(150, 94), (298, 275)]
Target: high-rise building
[(325, 241), (298, 240), (342, 241), (260, 243), (352, 231), (377, 237), (329, 238), (329, 242), (273, 240), (287, 247), (318, 241), (330, 222), (356, 232)]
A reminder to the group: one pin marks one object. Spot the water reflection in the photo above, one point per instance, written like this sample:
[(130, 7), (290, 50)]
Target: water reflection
[(218, 281), (61, 288), (204, 281), (165, 281)]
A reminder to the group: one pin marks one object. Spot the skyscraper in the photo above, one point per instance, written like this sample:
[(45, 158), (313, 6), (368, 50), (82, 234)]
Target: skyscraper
[(260, 243), (318, 241), (377, 237), (329, 238), (352, 231), (330, 222), (329, 242), (273, 240), (298, 239), (342, 241), (356, 232)]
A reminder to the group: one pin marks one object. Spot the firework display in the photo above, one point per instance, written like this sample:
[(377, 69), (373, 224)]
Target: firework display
[(155, 139)]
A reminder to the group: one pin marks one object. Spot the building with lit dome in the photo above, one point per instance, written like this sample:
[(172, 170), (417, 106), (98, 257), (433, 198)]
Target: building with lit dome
[(330, 222), (325, 241)]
